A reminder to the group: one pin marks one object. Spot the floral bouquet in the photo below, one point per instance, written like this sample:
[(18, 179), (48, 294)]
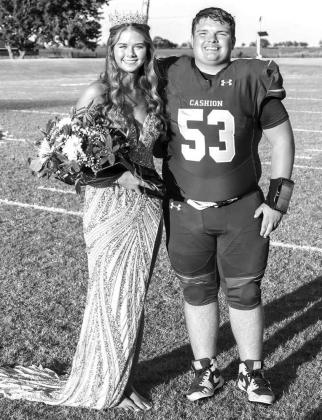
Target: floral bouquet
[(86, 149)]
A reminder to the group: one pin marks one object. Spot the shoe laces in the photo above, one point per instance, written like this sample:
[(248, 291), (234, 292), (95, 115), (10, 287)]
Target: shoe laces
[(202, 376), (205, 377), (258, 380)]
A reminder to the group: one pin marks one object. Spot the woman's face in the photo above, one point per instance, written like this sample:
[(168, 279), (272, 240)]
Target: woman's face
[(130, 51)]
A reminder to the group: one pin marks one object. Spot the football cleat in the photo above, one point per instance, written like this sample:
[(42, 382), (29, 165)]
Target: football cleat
[(251, 380), (207, 379)]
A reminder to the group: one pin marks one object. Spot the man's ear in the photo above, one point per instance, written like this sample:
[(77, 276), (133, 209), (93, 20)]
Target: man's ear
[(233, 42)]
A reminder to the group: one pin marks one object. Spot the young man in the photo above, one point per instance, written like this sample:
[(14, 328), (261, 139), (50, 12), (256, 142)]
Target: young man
[(218, 223)]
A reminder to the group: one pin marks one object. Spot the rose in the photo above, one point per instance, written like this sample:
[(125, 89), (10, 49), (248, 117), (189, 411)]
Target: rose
[(73, 148)]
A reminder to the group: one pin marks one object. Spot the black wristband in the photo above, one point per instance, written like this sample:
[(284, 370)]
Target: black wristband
[(279, 194)]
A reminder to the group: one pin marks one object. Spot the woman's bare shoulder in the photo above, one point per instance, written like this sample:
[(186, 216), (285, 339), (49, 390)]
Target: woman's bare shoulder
[(94, 93)]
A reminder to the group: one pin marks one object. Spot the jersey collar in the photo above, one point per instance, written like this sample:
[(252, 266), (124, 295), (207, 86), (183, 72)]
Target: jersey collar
[(206, 83)]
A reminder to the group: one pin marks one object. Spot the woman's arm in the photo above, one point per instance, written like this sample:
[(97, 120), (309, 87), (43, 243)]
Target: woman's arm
[(93, 94)]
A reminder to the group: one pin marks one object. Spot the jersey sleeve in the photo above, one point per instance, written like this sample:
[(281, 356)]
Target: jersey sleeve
[(270, 83), (273, 113), (162, 65)]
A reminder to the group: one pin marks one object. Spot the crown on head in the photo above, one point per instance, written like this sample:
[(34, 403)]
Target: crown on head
[(121, 18)]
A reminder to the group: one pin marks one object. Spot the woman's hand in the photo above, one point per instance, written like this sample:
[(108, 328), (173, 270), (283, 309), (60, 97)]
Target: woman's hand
[(131, 182)]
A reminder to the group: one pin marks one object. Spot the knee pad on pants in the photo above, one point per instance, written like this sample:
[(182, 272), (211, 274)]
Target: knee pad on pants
[(245, 295), (199, 291)]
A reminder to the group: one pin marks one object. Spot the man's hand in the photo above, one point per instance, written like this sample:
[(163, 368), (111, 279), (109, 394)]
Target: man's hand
[(271, 219)]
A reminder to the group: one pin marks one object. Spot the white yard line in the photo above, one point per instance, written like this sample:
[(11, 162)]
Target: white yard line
[(304, 99), (74, 84), (304, 112), (77, 213), (302, 90), (313, 150), (8, 139), (57, 190), (303, 157), (36, 207), (31, 111), (318, 168), (299, 247), (306, 130)]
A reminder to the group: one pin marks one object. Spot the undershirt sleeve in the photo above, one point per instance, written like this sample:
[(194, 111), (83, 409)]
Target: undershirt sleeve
[(272, 113)]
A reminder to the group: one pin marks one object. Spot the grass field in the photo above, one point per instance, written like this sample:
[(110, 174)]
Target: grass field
[(44, 272)]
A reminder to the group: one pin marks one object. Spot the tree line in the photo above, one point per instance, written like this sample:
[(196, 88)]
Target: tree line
[(160, 42), (26, 24)]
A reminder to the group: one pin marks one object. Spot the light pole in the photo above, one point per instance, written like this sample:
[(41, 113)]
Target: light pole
[(145, 8), (260, 33)]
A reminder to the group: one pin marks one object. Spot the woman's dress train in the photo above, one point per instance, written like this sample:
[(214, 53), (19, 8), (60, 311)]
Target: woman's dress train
[(122, 233)]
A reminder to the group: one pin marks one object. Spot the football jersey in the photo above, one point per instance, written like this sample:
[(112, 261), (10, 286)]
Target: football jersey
[(215, 127)]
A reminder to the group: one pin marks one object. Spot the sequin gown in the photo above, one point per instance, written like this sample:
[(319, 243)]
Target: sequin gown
[(122, 234)]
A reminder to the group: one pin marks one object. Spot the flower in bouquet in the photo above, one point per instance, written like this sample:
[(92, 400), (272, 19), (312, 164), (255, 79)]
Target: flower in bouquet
[(72, 148), (86, 148), (76, 148)]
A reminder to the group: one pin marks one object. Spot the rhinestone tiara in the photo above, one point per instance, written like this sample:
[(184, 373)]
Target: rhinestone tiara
[(121, 18)]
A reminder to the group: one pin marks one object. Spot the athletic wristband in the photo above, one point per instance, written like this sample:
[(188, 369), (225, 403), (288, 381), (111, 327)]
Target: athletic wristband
[(279, 194)]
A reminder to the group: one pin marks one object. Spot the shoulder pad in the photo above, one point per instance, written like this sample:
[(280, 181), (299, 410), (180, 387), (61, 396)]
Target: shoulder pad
[(272, 80), (163, 64)]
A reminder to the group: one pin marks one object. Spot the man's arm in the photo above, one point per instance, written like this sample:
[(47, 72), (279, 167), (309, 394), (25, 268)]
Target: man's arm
[(282, 159), (282, 156)]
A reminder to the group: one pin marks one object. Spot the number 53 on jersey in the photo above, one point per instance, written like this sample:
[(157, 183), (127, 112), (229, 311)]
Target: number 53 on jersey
[(197, 150)]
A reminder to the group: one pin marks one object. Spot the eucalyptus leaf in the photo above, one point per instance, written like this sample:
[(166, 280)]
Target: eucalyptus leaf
[(36, 165), (78, 186)]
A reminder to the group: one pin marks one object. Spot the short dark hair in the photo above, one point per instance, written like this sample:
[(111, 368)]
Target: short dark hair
[(214, 13)]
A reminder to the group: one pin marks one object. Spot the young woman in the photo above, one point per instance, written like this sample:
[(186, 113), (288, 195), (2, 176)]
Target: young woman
[(122, 232)]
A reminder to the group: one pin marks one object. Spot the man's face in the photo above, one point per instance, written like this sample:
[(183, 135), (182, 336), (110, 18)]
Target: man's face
[(212, 43)]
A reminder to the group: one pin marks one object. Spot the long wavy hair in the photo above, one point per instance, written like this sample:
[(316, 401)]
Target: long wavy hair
[(147, 80)]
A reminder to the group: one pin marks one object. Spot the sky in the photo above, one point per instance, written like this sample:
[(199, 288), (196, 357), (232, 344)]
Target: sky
[(284, 20)]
